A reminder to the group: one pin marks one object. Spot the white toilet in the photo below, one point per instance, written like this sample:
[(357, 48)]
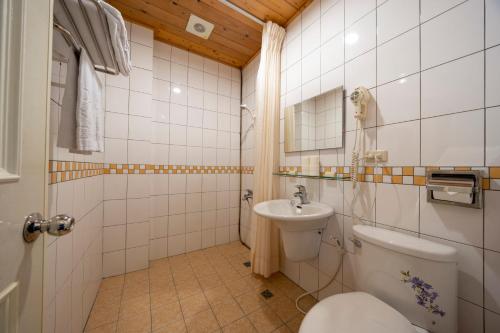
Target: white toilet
[(405, 285)]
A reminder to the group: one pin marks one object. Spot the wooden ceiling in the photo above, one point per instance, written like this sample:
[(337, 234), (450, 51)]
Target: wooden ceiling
[(235, 38)]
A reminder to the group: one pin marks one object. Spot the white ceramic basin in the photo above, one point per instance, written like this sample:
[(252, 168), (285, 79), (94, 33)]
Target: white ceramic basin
[(281, 210), (301, 228)]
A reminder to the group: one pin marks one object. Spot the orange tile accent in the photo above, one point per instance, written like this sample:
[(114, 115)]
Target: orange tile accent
[(419, 180), (369, 170), (407, 171), (377, 178), (495, 172), (397, 179), (462, 168), (387, 171), (486, 184)]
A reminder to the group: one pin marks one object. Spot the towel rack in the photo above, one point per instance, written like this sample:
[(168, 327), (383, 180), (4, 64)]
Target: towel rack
[(78, 41)]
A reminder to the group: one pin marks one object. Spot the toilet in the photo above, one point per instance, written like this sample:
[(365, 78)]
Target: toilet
[(403, 284)]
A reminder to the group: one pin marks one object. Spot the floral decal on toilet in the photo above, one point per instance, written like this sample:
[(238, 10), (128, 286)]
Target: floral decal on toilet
[(424, 293)]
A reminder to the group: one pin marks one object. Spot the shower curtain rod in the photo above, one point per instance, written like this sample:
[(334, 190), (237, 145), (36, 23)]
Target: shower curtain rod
[(242, 11)]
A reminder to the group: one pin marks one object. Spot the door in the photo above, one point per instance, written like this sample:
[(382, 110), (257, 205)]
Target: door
[(25, 51)]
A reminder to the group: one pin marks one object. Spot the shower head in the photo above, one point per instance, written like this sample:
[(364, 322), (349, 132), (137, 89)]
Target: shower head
[(245, 107)]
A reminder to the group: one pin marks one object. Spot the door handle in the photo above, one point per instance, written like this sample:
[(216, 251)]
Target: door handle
[(35, 224)]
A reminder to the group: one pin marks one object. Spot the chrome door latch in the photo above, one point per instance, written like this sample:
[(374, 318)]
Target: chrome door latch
[(356, 242), (35, 224)]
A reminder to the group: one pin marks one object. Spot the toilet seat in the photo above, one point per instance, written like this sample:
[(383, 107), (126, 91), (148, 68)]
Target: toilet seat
[(355, 312)]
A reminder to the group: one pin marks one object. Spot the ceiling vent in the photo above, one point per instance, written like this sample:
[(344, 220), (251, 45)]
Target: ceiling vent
[(199, 27)]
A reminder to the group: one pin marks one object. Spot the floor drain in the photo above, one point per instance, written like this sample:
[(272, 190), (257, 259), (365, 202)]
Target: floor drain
[(267, 294), (247, 264)]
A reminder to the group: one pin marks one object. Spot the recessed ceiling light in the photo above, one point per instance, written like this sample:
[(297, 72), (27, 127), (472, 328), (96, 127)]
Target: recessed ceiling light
[(199, 27)]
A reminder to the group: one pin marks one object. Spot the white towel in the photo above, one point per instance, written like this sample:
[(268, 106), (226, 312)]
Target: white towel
[(119, 38), (89, 108)]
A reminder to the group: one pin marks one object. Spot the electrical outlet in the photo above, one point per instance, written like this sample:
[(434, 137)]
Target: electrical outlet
[(376, 156)]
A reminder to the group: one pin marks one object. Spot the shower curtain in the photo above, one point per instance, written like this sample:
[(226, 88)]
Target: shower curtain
[(265, 239)]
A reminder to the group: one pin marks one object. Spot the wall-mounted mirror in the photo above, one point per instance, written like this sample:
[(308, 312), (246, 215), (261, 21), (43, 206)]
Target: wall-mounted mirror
[(316, 123)]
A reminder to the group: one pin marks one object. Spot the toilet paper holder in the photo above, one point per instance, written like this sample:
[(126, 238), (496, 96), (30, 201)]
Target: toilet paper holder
[(452, 187)]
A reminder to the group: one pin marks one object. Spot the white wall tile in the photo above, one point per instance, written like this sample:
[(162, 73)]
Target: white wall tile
[(117, 100), (332, 54), (396, 17), (453, 87), (141, 80), (459, 224), (311, 66), (137, 258), (115, 212), (492, 22), (492, 136), (140, 104), (356, 9), (491, 221), (398, 206), (360, 37), (444, 142), (492, 280), (493, 76), (141, 56), (454, 34), (399, 100), (161, 69), (332, 21), (141, 35), (114, 238), (399, 57), (401, 152)]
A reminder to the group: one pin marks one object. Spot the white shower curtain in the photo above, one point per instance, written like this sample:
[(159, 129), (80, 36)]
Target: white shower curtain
[(265, 239)]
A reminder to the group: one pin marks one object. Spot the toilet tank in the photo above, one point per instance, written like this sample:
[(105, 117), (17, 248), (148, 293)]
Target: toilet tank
[(415, 276)]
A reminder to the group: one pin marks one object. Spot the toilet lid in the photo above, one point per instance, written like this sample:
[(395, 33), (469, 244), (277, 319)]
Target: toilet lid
[(355, 312)]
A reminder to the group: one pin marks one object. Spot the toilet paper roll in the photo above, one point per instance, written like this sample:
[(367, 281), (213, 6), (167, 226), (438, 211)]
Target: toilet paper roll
[(453, 196)]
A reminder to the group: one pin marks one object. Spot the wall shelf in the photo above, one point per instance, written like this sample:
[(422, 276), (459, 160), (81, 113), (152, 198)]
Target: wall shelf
[(298, 175)]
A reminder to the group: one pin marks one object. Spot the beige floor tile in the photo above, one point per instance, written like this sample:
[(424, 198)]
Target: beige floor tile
[(173, 327), (265, 320), (210, 281), (307, 303), (217, 294), (203, 322), (282, 329), (108, 328), (294, 324), (135, 305), (133, 290), (164, 315), (227, 311), (108, 297), (187, 288), (250, 302), (284, 308), (105, 314), (163, 297), (112, 283), (141, 275), (237, 287), (242, 325), (194, 304), (138, 323)]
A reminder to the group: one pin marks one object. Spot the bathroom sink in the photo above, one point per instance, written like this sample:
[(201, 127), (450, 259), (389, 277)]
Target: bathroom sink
[(301, 226), (282, 210)]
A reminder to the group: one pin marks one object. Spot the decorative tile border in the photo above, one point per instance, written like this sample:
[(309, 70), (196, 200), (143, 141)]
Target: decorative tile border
[(408, 175), (62, 171), (168, 169)]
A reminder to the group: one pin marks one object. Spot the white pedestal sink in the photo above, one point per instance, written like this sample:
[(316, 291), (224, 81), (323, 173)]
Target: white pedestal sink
[(300, 227)]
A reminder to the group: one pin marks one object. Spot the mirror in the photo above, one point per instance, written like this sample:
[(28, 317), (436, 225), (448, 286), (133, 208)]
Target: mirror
[(316, 123)]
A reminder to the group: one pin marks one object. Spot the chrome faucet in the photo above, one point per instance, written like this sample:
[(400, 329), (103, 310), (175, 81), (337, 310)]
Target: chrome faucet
[(301, 194), (248, 195)]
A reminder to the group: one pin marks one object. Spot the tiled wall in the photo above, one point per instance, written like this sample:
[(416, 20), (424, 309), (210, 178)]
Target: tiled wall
[(171, 181), (433, 69), (73, 262)]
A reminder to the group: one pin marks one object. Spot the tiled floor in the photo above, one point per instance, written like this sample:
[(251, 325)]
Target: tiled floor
[(205, 291)]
